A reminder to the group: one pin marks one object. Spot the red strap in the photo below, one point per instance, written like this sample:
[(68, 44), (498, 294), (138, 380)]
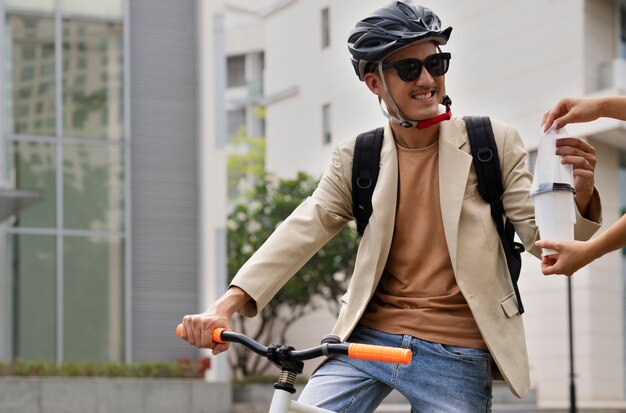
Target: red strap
[(423, 124)]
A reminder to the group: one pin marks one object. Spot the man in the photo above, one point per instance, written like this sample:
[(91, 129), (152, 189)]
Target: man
[(430, 274)]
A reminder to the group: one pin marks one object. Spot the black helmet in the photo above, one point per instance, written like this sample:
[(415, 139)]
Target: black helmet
[(389, 29)]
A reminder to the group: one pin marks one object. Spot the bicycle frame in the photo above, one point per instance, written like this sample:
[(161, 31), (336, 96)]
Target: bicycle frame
[(283, 403), (291, 363)]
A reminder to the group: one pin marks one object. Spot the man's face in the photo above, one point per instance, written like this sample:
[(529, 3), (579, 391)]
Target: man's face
[(418, 99)]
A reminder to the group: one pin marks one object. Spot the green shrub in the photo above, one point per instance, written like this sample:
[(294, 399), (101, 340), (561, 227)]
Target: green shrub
[(183, 368)]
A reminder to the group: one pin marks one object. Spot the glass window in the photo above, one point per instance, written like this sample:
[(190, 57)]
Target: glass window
[(236, 120), (38, 5), (327, 138), (93, 187), (236, 70), (87, 92), (33, 265), (100, 8), (93, 299), (325, 28), (25, 44), (32, 166)]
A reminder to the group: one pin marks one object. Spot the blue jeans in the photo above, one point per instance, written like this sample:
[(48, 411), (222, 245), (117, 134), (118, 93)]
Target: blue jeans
[(440, 378)]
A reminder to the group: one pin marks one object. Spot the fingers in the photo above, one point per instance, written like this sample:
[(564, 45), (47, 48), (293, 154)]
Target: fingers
[(220, 348), (577, 152), (577, 144), (547, 244), (548, 266), (558, 113), (197, 330), (543, 120), (549, 118)]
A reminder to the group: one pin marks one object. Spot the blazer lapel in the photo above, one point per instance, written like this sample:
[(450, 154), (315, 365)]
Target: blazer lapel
[(454, 167), (384, 202)]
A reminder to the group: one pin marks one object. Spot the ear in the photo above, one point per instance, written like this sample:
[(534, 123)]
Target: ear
[(372, 80)]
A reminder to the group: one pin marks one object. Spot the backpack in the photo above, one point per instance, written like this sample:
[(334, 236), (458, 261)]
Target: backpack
[(365, 166)]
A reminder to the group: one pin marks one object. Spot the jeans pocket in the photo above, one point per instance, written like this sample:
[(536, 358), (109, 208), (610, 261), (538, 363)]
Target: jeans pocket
[(475, 355)]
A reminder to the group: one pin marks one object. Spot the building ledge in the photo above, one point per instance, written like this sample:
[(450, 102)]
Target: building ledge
[(280, 95), (13, 201)]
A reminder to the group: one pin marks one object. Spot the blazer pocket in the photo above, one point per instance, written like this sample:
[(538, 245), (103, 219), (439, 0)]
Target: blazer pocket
[(509, 305)]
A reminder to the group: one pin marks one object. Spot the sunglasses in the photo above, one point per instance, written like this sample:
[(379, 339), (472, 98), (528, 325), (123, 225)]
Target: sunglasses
[(410, 69)]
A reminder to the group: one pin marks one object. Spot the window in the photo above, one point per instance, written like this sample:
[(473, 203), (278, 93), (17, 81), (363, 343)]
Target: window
[(83, 113), (236, 120), (93, 191), (36, 5), (34, 302), (93, 291), (531, 160), (92, 178), (327, 136), (236, 71), (325, 28), (33, 166), (99, 8), (21, 41)]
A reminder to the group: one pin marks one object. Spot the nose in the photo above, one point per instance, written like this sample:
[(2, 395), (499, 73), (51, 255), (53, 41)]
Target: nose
[(424, 77)]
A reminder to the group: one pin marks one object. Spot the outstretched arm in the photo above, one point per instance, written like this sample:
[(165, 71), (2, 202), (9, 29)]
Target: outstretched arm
[(576, 110), (573, 255)]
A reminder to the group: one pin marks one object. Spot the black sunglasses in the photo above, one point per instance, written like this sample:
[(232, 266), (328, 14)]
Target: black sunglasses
[(410, 69)]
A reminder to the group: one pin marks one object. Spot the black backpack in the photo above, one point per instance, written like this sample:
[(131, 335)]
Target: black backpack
[(365, 165)]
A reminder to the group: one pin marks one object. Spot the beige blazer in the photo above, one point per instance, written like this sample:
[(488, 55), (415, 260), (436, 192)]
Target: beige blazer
[(477, 257)]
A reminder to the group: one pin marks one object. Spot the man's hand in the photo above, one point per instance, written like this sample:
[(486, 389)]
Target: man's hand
[(197, 329), (582, 157)]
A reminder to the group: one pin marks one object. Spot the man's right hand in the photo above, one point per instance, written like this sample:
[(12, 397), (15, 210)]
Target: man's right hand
[(197, 329)]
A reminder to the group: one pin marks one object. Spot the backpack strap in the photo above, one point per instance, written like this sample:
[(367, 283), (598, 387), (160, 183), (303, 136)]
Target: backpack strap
[(487, 166), (365, 166)]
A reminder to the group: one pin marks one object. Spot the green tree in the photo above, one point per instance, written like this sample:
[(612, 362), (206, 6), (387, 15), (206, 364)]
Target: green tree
[(246, 162), (319, 283)]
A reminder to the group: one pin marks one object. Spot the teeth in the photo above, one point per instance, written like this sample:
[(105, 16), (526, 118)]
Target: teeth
[(422, 96)]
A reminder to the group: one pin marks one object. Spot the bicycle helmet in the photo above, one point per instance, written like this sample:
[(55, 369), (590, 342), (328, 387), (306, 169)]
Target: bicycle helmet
[(389, 29)]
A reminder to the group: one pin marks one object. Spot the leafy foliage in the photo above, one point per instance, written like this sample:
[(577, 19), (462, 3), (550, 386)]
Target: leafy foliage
[(246, 162), (183, 368), (320, 283)]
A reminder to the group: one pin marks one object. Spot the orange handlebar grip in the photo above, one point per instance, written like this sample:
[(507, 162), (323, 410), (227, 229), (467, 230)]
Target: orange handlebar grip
[(179, 330), (379, 353), (217, 335)]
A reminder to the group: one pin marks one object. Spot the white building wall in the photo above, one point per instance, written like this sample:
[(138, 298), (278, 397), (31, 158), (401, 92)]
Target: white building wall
[(600, 40), (213, 162), (512, 60)]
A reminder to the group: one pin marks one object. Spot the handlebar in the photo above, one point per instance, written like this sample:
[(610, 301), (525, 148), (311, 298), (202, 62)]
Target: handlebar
[(353, 350)]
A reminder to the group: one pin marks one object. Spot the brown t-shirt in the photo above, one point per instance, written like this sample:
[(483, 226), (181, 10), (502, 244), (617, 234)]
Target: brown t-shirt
[(418, 294)]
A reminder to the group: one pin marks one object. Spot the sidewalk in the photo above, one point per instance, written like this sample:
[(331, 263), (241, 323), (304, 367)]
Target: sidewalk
[(503, 402)]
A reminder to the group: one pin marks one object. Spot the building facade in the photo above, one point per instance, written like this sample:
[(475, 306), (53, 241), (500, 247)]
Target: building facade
[(511, 60), (108, 108)]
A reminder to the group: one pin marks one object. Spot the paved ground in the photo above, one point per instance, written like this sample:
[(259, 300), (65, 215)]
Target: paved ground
[(404, 408), (257, 401)]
